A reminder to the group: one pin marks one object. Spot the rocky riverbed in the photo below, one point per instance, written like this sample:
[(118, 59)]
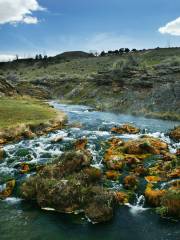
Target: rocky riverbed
[(97, 167)]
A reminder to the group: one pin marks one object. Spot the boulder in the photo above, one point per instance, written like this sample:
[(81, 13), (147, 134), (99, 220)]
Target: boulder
[(145, 145), (126, 128)]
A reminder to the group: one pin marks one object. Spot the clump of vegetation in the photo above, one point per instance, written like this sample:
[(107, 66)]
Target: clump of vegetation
[(173, 61), (123, 64)]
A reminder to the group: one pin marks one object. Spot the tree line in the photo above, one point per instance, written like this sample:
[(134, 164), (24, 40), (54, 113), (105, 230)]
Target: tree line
[(117, 52)]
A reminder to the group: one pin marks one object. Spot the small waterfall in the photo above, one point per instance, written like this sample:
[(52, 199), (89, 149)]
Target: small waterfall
[(138, 206)]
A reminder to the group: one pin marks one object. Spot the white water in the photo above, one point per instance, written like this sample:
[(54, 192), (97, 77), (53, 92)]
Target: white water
[(138, 207)]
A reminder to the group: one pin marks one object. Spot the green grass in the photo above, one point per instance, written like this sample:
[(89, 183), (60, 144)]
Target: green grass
[(81, 68), (18, 111)]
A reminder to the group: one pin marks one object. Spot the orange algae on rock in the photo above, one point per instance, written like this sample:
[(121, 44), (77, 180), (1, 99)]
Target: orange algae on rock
[(126, 128), (153, 179), (9, 186), (121, 197), (112, 175), (154, 196)]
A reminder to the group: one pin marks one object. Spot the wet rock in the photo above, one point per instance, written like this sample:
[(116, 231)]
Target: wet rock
[(145, 145), (131, 182), (126, 128), (24, 168), (116, 142), (115, 164), (153, 179), (97, 212), (94, 174), (175, 173), (100, 205), (112, 175), (169, 156), (141, 171), (28, 134), (57, 139), (68, 163), (7, 189), (175, 133), (81, 144), (132, 152)]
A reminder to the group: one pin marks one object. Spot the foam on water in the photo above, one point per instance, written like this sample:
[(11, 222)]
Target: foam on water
[(138, 207), (12, 200)]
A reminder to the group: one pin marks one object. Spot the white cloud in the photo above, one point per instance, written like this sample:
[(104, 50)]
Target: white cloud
[(6, 57), (14, 11), (172, 28)]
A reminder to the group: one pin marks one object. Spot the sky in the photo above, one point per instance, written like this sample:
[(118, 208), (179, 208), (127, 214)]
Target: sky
[(29, 27)]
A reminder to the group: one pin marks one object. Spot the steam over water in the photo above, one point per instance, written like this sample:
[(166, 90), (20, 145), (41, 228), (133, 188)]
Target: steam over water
[(20, 220)]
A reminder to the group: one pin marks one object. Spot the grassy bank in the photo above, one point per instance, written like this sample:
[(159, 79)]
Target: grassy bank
[(27, 111)]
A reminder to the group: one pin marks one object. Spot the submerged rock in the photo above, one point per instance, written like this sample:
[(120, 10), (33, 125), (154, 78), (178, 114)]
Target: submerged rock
[(126, 128), (70, 185)]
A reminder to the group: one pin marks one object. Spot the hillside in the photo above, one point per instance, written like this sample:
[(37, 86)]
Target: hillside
[(143, 82)]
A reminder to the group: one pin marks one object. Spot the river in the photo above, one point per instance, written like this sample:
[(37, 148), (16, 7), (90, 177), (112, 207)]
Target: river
[(21, 220)]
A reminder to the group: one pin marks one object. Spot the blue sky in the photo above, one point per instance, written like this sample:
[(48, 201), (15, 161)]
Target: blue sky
[(52, 26)]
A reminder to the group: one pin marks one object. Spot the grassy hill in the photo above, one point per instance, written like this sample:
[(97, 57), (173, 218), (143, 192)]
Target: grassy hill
[(143, 82)]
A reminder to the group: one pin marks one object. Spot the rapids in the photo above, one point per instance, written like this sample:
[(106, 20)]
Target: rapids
[(21, 220)]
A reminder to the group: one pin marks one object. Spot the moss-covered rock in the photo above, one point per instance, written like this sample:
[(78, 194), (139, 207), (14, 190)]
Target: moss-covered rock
[(70, 185), (126, 128), (131, 182)]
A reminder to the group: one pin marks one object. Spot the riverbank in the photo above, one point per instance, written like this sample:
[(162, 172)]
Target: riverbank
[(27, 118)]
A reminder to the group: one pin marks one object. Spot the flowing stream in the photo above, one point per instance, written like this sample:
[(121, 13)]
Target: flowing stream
[(21, 220)]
